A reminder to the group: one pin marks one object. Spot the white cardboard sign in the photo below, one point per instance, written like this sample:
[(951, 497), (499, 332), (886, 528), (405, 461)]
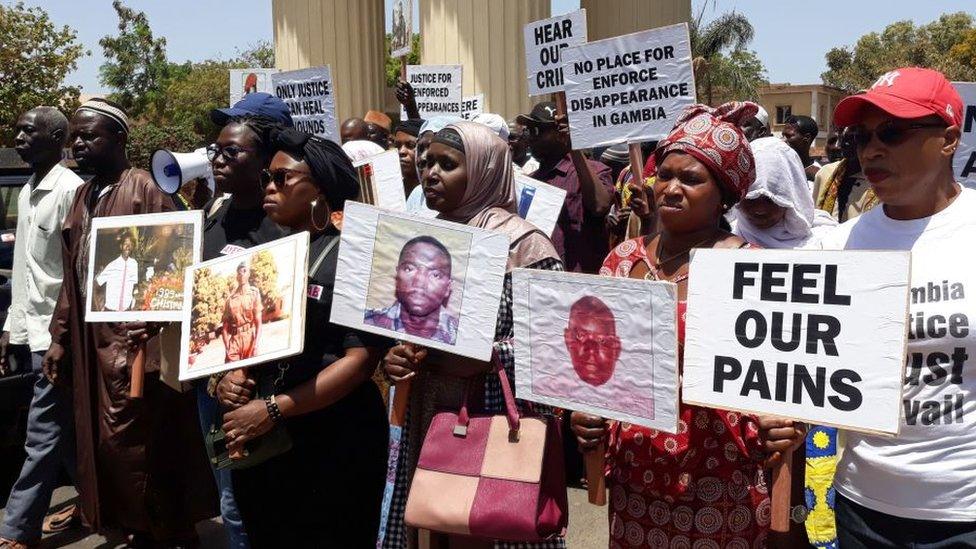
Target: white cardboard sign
[(472, 106), (426, 281), (964, 164), (310, 94), (629, 88), (813, 335), (381, 181), (544, 40), (600, 345), (245, 81), (437, 89), (538, 203), (401, 35)]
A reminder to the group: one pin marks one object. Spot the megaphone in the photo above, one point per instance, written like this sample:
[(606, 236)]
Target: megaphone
[(171, 170)]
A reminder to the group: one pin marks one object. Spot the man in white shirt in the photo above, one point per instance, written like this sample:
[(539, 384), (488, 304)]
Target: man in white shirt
[(917, 489), (37, 271), (119, 278)]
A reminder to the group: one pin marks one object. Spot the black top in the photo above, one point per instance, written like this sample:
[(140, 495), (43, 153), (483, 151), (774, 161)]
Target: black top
[(236, 228)]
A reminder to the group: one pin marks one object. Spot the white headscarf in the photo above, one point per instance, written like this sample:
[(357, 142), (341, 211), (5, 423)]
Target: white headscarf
[(780, 177)]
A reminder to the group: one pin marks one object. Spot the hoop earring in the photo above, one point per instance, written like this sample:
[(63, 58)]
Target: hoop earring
[(312, 213)]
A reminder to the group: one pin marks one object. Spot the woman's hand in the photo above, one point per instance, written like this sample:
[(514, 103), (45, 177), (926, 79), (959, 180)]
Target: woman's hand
[(402, 362), (245, 424), (235, 389), (590, 431), (640, 200), (780, 436)]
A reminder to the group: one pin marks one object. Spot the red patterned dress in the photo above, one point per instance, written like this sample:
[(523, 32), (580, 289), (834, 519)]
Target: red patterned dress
[(702, 488)]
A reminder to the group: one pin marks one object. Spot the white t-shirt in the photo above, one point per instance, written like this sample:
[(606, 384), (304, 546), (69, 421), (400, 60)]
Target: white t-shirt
[(928, 472), (120, 278)]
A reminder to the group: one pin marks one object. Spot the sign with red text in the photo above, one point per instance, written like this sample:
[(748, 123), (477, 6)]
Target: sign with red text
[(544, 41), (812, 335), (964, 163), (630, 88)]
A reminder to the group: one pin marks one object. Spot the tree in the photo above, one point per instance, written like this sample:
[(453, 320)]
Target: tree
[(946, 44), (136, 65), (264, 277), (393, 63), (738, 75), (35, 57), (729, 31)]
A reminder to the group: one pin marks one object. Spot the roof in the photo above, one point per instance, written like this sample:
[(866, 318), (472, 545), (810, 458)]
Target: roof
[(786, 87)]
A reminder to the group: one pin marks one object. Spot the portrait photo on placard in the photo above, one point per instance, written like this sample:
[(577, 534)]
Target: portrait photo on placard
[(427, 281), (136, 265), (605, 346), (416, 282), (246, 308)]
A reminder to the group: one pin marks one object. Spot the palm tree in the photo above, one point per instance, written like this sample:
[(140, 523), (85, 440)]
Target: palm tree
[(728, 31)]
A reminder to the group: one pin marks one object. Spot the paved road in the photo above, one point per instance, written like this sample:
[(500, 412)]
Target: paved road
[(587, 527)]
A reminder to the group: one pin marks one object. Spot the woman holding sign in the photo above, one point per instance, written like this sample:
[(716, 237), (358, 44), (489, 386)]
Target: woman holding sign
[(468, 179), (325, 490), (705, 483)]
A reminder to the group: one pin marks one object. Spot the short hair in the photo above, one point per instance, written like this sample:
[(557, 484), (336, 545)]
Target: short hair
[(242, 265), (804, 124), (590, 305), (424, 239), (52, 119), (262, 127)]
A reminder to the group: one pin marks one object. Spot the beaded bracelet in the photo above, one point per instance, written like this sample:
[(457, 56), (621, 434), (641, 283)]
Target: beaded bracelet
[(273, 411)]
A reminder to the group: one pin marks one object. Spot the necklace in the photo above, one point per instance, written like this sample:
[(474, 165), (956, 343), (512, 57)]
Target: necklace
[(654, 271)]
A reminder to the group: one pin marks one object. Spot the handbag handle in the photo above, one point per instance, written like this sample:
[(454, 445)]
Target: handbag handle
[(511, 411)]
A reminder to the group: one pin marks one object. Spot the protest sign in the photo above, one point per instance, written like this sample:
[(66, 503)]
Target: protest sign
[(629, 88), (136, 265), (245, 308), (964, 164), (310, 94), (472, 106), (437, 89), (245, 81), (401, 35), (426, 281), (381, 181), (544, 40), (812, 335), (601, 345), (538, 203)]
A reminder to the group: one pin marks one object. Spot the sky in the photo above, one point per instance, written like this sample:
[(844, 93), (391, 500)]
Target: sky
[(792, 36)]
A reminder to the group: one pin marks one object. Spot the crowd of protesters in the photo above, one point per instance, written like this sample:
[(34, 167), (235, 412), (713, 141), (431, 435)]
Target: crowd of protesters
[(719, 179)]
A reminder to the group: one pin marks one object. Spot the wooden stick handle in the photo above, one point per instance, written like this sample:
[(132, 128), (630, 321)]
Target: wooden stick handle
[(781, 495), (637, 164), (560, 102), (595, 481), (401, 398), (403, 67), (138, 372)]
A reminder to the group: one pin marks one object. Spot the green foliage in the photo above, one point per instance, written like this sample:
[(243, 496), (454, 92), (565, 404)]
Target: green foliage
[(264, 276), (136, 65), (210, 293), (947, 44), (146, 137), (393, 63), (35, 57), (721, 62)]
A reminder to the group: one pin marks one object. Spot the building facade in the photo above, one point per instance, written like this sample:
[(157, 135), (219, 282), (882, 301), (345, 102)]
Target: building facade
[(814, 100)]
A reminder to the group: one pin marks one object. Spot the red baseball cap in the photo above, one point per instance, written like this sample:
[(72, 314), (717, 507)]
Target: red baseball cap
[(908, 92)]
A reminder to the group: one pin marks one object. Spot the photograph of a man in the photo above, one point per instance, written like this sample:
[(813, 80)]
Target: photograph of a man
[(241, 327), (120, 277), (423, 290), (591, 339)]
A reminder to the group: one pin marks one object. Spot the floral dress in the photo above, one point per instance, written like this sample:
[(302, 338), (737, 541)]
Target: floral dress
[(701, 488)]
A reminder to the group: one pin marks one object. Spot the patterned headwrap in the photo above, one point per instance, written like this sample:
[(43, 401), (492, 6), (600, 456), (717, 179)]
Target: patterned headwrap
[(713, 137), (102, 107)]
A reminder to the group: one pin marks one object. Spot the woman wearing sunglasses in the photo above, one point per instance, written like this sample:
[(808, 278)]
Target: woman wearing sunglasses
[(917, 489), (325, 491), (703, 486)]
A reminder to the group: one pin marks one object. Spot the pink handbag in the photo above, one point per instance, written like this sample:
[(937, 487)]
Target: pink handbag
[(490, 476)]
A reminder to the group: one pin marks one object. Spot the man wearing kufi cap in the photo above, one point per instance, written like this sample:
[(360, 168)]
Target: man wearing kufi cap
[(141, 463)]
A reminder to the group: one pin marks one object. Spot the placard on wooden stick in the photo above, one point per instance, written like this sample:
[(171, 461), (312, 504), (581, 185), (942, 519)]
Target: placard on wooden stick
[(964, 163), (381, 181), (310, 95), (544, 41), (811, 335)]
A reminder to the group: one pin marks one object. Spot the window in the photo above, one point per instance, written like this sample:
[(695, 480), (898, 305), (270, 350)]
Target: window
[(783, 112)]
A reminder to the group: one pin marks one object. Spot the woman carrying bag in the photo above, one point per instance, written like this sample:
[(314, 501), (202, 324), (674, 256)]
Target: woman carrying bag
[(468, 180), (325, 490)]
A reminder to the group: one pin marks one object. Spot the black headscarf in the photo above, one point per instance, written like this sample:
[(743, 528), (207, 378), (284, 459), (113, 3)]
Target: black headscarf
[(410, 126), (331, 169)]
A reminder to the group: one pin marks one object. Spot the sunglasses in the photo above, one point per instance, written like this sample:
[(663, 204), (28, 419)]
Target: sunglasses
[(280, 176), (230, 152), (537, 130), (888, 133)]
